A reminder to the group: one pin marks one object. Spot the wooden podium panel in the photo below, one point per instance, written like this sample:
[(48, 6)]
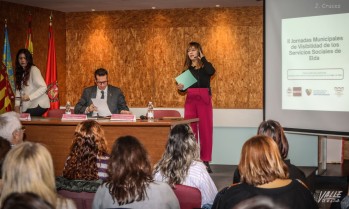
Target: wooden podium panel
[(58, 135)]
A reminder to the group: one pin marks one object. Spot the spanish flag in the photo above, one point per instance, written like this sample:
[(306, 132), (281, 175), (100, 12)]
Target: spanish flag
[(6, 93), (29, 41)]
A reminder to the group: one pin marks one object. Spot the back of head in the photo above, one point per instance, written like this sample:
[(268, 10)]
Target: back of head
[(129, 170), (181, 150), (89, 142), (9, 123), (25, 200), (274, 130), (260, 161), (28, 167), (5, 147)]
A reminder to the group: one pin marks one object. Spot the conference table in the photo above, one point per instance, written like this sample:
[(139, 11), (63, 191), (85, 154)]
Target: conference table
[(57, 135)]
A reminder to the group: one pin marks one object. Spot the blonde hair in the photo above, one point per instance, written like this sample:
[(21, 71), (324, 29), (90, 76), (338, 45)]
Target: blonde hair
[(181, 151), (28, 167), (261, 162)]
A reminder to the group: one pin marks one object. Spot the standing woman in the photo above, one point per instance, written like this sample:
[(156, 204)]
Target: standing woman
[(198, 103), (31, 88)]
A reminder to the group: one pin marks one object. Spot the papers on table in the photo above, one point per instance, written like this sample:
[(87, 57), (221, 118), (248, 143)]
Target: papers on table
[(186, 78), (102, 107), (25, 117)]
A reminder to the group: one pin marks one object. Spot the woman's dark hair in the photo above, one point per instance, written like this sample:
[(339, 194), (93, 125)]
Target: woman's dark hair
[(25, 200), (129, 171), (22, 75), (274, 130)]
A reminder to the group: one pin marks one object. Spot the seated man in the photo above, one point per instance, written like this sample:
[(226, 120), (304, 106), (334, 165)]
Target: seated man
[(114, 97), (11, 128)]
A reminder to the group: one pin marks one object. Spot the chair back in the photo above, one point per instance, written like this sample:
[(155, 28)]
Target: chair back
[(57, 113), (82, 200), (188, 197), (166, 113)]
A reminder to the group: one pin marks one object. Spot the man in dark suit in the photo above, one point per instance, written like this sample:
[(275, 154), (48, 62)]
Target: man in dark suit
[(113, 95)]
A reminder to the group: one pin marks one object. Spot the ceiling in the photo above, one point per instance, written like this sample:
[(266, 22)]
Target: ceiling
[(110, 5)]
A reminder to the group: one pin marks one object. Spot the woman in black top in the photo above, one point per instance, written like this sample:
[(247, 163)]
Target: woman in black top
[(274, 130), (264, 173), (198, 102)]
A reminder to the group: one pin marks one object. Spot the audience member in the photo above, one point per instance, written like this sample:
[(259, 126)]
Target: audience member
[(130, 183), (112, 95), (345, 201), (274, 130), (25, 200), (11, 128), (5, 147), (31, 96), (28, 167), (263, 172), (181, 164), (88, 155)]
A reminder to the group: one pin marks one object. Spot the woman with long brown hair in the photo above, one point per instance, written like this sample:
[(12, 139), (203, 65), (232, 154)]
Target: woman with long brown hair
[(31, 87), (130, 183), (88, 155)]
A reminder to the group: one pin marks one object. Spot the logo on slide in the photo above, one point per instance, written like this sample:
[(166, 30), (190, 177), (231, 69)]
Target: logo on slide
[(289, 91), (339, 91), (308, 91), (297, 91)]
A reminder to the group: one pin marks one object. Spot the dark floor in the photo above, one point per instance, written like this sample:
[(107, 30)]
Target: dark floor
[(334, 179)]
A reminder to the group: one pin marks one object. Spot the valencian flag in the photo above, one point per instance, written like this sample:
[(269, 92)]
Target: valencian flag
[(6, 93), (29, 41), (6, 59), (51, 71)]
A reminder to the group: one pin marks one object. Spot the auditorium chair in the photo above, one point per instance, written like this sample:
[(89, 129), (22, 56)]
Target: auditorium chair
[(188, 197), (158, 114)]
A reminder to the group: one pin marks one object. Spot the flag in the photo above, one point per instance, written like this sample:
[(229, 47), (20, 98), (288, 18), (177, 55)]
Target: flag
[(6, 59), (6, 93), (51, 71), (29, 41)]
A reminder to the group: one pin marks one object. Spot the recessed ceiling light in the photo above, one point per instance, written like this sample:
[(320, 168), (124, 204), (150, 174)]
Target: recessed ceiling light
[(93, 10), (153, 7), (218, 5)]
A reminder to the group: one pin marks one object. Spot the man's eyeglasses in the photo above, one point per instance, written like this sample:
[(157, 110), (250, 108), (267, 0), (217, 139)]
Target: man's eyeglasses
[(101, 82)]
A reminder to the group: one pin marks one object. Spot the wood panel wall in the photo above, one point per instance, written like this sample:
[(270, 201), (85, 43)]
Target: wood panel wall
[(144, 51), (17, 24)]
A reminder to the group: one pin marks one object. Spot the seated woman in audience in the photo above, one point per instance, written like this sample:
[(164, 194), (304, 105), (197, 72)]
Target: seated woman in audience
[(28, 167), (181, 164), (25, 200), (130, 183), (263, 172), (88, 155), (274, 130)]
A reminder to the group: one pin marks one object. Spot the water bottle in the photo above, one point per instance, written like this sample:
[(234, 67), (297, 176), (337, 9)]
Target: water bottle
[(67, 108), (150, 113)]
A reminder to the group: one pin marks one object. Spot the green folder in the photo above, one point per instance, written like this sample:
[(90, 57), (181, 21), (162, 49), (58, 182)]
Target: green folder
[(186, 78)]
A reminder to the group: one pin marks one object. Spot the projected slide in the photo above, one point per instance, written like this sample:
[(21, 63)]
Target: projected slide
[(315, 63)]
